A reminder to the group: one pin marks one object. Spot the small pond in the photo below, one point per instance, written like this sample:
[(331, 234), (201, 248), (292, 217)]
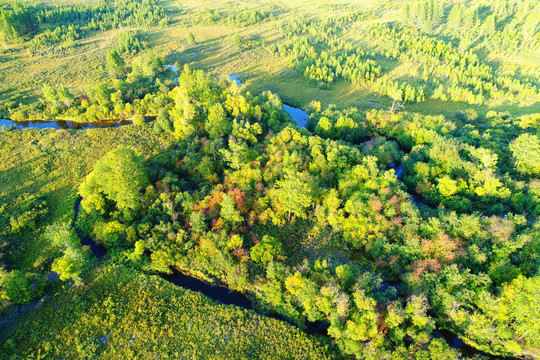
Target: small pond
[(174, 70), (299, 116), (235, 78)]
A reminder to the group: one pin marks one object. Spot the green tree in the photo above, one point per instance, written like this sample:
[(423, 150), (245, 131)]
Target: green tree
[(70, 265), (119, 176), (455, 18), (488, 184), (217, 124), (228, 211), (293, 193), (236, 154), (196, 222), (488, 27), (138, 120), (266, 250), (190, 38), (65, 96), (16, 287), (115, 64), (50, 94), (237, 41), (447, 187), (62, 235), (526, 153), (530, 27)]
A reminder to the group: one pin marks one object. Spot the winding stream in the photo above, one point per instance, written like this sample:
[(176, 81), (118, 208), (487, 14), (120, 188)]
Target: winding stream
[(298, 115), (228, 297), (215, 292)]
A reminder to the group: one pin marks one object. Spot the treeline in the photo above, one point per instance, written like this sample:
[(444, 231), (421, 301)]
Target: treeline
[(425, 14), (501, 26), (105, 15), (341, 60), (62, 26), (237, 18), (131, 42), (353, 66), (448, 73), (16, 21), (65, 36), (133, 91), (438, 69)]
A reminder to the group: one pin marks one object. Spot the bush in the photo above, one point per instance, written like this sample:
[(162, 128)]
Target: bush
[(16, 288)]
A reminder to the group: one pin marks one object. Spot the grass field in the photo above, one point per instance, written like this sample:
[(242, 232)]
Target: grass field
[(52, 164), (83, 66), (122, 314)]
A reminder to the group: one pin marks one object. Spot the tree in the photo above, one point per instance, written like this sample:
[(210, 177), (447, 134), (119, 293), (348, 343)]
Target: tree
[(489, 26), (228, 212), (65, 96), (115, 64), (197, 223), (138, 120), (217, 124), (70, 265), (447, 187), (530, 27), (455, 18), (266, 250), (293, 193), (16, 287), (488, 160), (190, 38), (236, 154), (50, 94), (62, 235), (526, 154), (237, 41), (120, 176)]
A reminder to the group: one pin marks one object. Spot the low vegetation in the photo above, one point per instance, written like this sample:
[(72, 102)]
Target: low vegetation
[(402, 221)]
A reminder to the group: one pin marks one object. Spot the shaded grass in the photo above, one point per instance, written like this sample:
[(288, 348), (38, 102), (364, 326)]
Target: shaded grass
[(51, 164), (121, 313), (82, 66)]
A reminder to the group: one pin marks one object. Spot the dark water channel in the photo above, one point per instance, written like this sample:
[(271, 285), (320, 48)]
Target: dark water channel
[(215, 292), (62, 124), (228, 297)]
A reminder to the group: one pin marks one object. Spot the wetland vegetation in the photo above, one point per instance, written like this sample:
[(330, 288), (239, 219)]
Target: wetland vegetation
[(262, 180)]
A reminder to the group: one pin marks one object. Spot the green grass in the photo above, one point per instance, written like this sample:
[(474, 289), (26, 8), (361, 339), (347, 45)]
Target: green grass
[(145, 317), (52, 164), (82, 66)]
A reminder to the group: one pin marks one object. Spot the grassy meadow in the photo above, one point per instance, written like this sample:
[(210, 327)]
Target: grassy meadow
[(386, 263), (80, 67)]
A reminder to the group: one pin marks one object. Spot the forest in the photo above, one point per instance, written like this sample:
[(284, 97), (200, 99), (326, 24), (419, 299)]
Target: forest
[(399, 219)]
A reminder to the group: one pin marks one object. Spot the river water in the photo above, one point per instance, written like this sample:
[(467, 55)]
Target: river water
[(215, 292), (61, 124), (298, 115)]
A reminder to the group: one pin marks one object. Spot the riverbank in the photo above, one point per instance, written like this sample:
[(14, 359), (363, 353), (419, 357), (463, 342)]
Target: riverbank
[(122, 313)]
